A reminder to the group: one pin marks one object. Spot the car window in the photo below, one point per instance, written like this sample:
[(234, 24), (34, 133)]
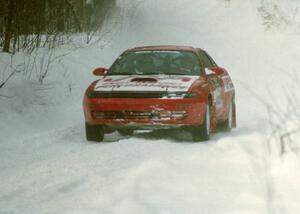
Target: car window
[(156, 63), (211, 59), (205, 60)]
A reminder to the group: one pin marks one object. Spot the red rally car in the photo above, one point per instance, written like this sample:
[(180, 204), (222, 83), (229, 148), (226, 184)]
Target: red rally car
[(157, 87)]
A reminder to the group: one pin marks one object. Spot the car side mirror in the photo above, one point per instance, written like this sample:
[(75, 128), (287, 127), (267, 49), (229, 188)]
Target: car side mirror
[(214, 71), (100, 71)]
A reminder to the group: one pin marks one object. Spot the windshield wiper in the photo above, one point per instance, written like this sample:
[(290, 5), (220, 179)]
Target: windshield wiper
[(122, 74), (175, 74)]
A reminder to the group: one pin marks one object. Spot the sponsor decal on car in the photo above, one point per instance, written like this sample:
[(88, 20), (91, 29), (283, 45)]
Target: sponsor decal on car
[(228, 84), (154, 83)]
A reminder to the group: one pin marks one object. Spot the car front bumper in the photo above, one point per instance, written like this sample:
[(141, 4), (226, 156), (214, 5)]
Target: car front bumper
[(143, 113)]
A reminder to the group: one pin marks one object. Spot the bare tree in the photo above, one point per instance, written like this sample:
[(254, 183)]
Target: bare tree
[(28, 24)]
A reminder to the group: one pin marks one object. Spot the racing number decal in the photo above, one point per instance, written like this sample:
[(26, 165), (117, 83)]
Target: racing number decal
[(228, 85), (217, 84), (218, 97)]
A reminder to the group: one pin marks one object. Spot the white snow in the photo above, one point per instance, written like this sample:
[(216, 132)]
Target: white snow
[(47, 166)]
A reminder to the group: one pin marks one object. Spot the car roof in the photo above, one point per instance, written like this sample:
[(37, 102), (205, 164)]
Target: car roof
[(164, 48)]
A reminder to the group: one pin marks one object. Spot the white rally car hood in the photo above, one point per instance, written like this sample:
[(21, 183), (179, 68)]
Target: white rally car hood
[(168, 83)]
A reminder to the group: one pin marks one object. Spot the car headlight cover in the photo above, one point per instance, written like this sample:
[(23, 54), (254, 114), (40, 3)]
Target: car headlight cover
[(182, 95), (91, 94)]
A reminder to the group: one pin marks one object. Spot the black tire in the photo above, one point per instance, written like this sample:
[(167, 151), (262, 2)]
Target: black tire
[(125, 132), (94, 132), (228, 123), (202, 132)]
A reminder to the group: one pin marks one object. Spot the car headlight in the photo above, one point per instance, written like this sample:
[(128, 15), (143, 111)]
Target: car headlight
[(191, 95), (182, 95), (91, 94)]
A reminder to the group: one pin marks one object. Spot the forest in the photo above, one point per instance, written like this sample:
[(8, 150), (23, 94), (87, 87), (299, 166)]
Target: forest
[(27, 24)]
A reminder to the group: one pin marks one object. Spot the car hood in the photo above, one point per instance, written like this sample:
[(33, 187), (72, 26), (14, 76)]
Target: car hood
[(168, 83)]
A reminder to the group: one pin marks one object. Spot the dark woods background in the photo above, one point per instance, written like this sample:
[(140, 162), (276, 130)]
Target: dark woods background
[(27, 24)]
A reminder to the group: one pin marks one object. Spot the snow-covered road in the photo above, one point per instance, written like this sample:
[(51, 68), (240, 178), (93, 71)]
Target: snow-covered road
[(59, 172)]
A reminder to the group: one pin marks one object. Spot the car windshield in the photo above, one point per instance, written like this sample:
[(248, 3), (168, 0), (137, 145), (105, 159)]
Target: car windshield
[(156, 63)]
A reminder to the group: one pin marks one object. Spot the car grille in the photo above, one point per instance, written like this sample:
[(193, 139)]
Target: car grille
[(139, 115)]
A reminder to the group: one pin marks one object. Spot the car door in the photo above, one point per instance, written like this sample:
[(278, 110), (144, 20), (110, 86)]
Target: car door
[(227, 90), (215, 81)]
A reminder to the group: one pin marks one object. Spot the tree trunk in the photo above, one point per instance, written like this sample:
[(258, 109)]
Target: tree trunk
[(8, 26)]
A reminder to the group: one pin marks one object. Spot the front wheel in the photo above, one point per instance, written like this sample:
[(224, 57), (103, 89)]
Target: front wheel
[(202, 132), (94, 132)]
